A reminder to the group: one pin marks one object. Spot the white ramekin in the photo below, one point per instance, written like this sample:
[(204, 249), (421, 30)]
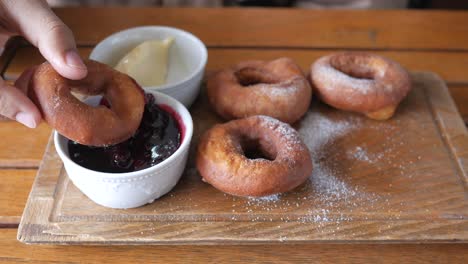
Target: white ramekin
[(132, 189), (187, 50)]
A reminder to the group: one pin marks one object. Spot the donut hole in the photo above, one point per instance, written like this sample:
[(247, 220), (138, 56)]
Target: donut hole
[(255, 148), (82, 89), (89, 86), (252, 76), (355, 67)]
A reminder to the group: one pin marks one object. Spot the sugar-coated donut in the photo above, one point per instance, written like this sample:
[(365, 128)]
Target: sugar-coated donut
[(88, 125), (254, 156), (361, 82), (276, 88)]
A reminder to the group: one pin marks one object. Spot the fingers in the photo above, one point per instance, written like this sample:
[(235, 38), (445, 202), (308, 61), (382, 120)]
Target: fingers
[(40, 26), (23, 81), (15, 105)]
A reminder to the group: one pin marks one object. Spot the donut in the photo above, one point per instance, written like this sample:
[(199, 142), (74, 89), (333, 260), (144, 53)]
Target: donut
[(88, 125), (276, 88), (360, 82), (254, 156)]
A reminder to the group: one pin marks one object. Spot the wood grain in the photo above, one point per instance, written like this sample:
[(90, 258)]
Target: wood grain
[(450, 66), (28, 56), (406, 182), (446, 64), (8, 46), (14, 189), (460, 95), (402, 29), (22, 147), (16, 252)]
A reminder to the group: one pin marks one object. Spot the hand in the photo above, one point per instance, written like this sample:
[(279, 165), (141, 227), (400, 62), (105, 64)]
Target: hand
[(34, 20)]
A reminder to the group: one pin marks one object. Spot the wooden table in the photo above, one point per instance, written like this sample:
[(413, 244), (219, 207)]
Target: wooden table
[(421, 40)]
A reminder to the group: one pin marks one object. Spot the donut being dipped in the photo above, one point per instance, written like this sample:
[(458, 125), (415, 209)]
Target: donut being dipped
[(88, 125), (255, 156), (361, 82), (275, 88)]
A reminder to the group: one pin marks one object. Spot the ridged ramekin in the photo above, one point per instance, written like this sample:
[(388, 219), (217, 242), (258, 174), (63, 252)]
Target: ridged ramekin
[(132, 189)]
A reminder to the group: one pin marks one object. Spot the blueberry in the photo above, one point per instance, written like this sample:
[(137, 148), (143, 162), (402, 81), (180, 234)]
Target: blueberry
[(149, 100)]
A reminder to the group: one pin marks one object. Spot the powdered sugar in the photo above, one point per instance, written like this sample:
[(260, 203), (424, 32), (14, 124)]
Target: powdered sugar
[(350, 180), (351, 158), (269, 198), (330, 78), (326, 190), (277, 91), (274, 124), (56, 100), (335, 191), (289, 136), (318, 131), (361, 154)]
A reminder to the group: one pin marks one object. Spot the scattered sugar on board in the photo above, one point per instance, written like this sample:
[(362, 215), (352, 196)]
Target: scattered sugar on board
[(361, 154), (270, 198), (323, 186), (331, 197), (327, 191)]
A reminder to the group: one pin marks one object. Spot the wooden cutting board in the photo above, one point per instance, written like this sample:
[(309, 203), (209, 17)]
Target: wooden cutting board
[(403, 180)]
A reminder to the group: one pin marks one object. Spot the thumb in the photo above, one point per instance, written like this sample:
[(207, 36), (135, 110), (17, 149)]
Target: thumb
[(40, 26), (15, 105)]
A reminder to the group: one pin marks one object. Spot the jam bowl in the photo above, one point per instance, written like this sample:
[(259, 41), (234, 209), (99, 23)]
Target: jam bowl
[(134, 188)]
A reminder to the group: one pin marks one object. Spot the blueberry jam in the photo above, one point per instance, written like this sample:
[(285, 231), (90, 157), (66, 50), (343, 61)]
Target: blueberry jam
[(157, 138)]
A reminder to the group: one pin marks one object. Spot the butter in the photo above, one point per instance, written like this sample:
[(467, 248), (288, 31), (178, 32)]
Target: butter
[(147, 63)]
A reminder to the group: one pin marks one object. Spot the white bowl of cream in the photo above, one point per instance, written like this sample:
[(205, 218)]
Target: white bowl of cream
[(186, 58)]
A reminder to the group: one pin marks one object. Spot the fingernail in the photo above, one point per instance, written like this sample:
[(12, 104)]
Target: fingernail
[(74, 60), (26, 119)]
